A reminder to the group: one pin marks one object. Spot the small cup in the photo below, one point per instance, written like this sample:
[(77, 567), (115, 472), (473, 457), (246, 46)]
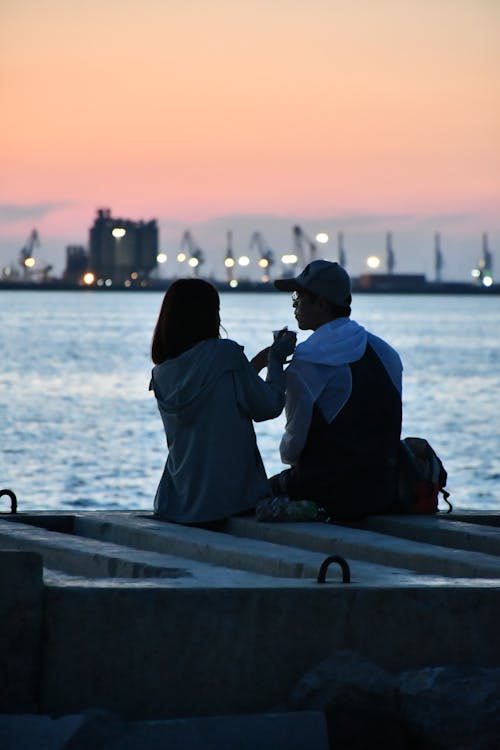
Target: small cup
[(279, 333)]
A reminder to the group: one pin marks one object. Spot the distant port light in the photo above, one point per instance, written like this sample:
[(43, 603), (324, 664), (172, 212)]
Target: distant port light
[(487, 281), (134, 275), (263, 262), (233, 283), (181, 257), (244, 260), (193, 262), (373, 261), (118, 232), (475, 273), (229, 262), (29, 262), (88, 278), (108, 282), (322, 238), (161, 258), (289, 259)]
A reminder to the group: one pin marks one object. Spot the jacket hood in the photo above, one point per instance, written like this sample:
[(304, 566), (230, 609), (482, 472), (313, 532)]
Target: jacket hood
[(336, 343), (183, 383)]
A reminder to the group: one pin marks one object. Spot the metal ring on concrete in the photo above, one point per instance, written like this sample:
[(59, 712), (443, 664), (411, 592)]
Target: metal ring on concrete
[(346, 573), (13, 499)]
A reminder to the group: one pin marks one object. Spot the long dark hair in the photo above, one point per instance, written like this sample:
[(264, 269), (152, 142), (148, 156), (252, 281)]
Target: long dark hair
[(189, 314)]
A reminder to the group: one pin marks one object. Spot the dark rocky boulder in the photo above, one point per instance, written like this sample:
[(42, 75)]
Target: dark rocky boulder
[(359, 700), (446, 707), (434, 708)]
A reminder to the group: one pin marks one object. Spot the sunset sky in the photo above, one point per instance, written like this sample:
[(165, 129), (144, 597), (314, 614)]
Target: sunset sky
[(364, 117)]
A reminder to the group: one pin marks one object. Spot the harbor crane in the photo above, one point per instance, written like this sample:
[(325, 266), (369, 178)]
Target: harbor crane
[(389, 253), (266, 255), (301, 240), (438, 257), (27, 259), (486, 262), (229, 261), (195, 256), (484, 271), (341, 250), (26, 255)]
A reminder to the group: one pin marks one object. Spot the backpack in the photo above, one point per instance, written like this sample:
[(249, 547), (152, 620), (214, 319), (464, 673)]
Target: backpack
[(421, 477)]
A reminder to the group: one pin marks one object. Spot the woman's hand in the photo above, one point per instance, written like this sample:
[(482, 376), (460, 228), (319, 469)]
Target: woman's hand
[(260, 360), (283, 346)]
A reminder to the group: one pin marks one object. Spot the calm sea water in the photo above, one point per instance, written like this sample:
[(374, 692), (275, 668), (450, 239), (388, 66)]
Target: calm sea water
[(79, 428)]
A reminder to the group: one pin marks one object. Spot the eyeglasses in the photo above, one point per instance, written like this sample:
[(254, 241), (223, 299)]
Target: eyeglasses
[(301, 296)]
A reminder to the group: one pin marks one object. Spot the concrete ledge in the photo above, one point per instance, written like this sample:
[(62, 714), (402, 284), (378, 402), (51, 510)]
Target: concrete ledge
[(120, 544), (199, 632), (85, 556), (262, 557), (159, 653), (139, 548), (374, 547), (456, 531), (21, 601), (92, 557)]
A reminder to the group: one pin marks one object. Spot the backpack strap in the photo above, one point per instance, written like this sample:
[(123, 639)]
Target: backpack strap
[(446, 495)]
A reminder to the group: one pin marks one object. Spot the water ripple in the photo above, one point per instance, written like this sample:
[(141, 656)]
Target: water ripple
[(81, 430)]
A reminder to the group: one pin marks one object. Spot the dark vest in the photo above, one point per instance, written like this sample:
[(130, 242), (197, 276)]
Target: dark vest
[(349, 465)]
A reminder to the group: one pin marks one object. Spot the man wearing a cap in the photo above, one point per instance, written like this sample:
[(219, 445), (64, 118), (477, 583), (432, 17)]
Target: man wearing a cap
[(343, 403)]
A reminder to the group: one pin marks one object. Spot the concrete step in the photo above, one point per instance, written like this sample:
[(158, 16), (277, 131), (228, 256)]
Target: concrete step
[(92, 560), (134, 545), (373, 547), (90, 547), (459, 532), (217, 639), (138, 552), (225, 549)]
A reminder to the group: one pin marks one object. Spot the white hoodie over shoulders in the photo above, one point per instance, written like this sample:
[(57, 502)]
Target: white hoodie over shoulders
[(319, 373)]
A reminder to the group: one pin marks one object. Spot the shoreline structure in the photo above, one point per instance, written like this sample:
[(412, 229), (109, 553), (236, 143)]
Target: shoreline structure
[(125, 254), (366, 284), (120, 612)]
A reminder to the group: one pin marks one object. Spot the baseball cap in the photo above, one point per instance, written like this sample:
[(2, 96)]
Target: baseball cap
[(321, 277)]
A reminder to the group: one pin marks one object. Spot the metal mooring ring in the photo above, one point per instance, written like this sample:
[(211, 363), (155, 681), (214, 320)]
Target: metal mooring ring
[(13, 499), (346, 573)]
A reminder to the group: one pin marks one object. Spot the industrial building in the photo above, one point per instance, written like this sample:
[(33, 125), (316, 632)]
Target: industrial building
[(77, 261), (122, 251)]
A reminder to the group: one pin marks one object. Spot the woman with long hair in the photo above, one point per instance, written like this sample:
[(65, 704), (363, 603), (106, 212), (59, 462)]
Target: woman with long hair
[(208, 394)]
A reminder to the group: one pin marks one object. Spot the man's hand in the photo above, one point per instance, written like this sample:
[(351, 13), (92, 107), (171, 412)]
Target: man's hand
[(284, 345)]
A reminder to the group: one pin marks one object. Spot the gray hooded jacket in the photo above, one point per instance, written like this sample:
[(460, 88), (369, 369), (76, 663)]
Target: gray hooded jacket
[(208, 397)]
